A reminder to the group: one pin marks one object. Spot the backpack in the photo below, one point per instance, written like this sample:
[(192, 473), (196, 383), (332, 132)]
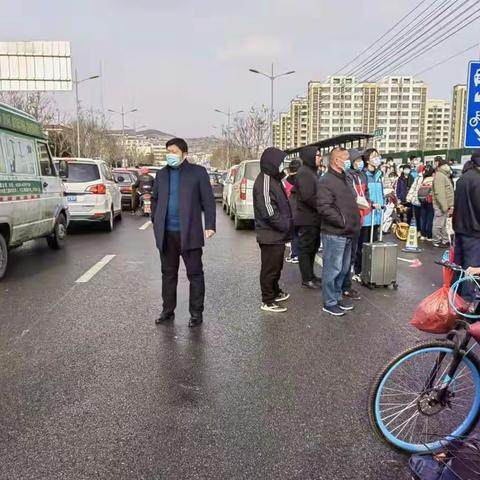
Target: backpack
[(425, 194)]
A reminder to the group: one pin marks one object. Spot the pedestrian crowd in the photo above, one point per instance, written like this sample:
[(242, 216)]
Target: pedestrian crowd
[(336, 205)]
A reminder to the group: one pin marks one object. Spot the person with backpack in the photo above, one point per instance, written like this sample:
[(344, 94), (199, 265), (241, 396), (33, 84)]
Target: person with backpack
[(426, 206), (289, 184), (442, 192), (273, 226)]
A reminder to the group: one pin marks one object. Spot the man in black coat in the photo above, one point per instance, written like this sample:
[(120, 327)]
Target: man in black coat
[(181, 192), (338, 209), (466, 215), (307, 219), (273, 225)]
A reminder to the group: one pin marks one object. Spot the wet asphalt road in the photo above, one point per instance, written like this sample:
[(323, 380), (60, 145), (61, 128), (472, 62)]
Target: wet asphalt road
[(92, 389)]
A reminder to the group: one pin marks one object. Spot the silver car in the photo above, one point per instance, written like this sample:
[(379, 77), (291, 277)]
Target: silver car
[(241, 206)]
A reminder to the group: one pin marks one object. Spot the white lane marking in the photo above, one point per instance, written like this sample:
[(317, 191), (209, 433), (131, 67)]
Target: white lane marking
[(405, 260), (89, 274), (145, 225)]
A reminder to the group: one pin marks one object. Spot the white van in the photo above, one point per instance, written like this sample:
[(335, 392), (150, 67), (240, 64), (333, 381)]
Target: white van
[(32, 200)]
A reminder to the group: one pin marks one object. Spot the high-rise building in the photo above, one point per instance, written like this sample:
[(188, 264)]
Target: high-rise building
[(401, 107), (437, 125), (457, 122), (299, 122), (285, 131), (276, 134)]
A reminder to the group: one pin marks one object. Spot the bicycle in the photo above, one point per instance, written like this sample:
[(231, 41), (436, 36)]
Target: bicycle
[(431, 387)]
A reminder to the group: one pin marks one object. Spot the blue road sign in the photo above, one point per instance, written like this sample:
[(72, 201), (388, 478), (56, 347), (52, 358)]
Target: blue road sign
[(472, 123)]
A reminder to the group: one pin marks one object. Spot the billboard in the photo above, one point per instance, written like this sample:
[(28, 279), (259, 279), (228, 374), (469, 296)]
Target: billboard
[(35, 66)]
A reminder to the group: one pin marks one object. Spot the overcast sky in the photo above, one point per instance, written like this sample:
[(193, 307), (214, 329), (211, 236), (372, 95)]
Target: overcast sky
[(176, 61)]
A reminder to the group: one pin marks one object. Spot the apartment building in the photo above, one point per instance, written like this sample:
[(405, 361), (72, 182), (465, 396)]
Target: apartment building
[(437, 125), (285, 131), (458, 113), (299, 122), (276, 134)]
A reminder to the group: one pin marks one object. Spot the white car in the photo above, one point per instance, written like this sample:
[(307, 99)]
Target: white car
[(228, 189), (92, 192)]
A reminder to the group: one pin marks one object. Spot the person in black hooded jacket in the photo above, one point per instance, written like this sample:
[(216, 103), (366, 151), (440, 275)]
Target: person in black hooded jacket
[(307, 219), (273, 225)]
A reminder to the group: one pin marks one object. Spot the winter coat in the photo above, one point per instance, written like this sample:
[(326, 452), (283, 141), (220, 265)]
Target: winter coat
[(466, 216), (412, 195), (273, 215), (195, 197), (359, 183), (306, 186), (375, 192), (403, 186), (442, 190), (337, 205)]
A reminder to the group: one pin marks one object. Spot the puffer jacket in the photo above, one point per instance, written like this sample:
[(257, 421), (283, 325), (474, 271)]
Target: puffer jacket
[(442, 189), (376, 195), (306, 184), (273, 215), (412, 195)]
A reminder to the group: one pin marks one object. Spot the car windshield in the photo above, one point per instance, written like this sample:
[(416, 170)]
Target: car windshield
[(124, 176), (82, 172), (252, 169)]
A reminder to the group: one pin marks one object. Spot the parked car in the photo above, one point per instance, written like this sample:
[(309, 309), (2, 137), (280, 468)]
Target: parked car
[(228, 188), (92, 193), (241, 209), (217, 185), (32, 201), (125, 179), (456, 172)]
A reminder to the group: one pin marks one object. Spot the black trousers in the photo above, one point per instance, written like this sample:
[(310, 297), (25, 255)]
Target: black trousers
[(364, 237), (170, 258), (271, 270), (308, 244)]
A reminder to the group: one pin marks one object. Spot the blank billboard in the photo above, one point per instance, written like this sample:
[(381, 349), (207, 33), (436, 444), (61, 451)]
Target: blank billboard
[(35, 66)]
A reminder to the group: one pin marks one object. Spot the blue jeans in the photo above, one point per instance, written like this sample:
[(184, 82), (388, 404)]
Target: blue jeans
[(337, 260), (295, 248), (426, 222), (467, 254)]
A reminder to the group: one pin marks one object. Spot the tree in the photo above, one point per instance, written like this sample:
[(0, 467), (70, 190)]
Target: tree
[(38, 104)]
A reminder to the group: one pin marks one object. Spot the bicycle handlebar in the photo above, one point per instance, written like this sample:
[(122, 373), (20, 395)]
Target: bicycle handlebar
[(451, 266)]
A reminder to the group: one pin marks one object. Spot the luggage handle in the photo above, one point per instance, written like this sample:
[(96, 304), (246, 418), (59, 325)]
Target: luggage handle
[(374, 212)]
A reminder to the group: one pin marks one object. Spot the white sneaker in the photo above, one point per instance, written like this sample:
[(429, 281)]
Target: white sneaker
[(273, 307), (357, 278), (282, 296)]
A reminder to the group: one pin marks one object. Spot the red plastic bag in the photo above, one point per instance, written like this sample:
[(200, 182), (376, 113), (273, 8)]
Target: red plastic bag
[(434, 314)]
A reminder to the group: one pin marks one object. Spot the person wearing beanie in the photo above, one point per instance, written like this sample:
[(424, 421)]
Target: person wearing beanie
[(307, 219), (442, 192), (466, 216), (273, 226)]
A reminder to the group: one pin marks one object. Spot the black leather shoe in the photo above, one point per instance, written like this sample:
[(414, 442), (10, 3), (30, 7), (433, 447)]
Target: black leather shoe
[(195, 321), (165, 317), (311, 285)]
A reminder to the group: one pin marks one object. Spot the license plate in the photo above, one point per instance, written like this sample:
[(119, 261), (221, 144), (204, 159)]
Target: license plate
[(71, 198)]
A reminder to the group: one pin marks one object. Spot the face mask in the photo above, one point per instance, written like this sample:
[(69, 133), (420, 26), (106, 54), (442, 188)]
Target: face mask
[(360, 166), (377, 161), (173, 160), (281, 167), (406, 172), (347, 165)]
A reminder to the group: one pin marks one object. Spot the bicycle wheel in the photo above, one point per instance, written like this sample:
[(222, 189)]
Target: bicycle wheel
[(403, 406), (402, 231)]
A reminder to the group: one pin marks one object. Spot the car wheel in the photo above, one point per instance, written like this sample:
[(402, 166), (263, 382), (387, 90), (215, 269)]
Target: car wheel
[(232, 214), (119, 216), (56, 240), (109, 224), (239, 224), (3, 256)]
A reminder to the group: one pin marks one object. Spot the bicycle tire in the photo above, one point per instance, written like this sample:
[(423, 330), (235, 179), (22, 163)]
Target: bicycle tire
[(443, 343)]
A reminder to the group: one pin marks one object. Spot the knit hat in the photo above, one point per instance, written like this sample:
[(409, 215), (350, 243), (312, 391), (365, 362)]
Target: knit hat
[(354, 154), (441, 161), (476, 158)]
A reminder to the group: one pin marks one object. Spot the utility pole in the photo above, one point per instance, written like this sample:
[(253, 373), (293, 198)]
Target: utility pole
[(228, 114), (122, 113)]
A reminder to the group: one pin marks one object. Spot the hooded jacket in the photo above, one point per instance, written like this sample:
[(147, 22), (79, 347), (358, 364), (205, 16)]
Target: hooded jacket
[(442, 190), (273, 215), (466, 216), (337, 205), (306, 185)]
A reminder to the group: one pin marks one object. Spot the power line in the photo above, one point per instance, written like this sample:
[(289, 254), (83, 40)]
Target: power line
[(405, 35), (434, 19), (430, 47), (446, 60), (380, 38)]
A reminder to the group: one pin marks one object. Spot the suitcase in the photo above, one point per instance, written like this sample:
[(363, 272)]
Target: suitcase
[(379, 261)]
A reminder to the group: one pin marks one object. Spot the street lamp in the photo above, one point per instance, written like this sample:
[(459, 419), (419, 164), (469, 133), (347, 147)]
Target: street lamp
[(77, 82), (123, 113), (228, 115), (272, 78)]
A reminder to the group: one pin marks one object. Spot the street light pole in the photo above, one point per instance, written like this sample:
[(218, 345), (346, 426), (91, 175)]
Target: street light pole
[(272, 77), (123, 113), (77, 104), (228, 115)]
